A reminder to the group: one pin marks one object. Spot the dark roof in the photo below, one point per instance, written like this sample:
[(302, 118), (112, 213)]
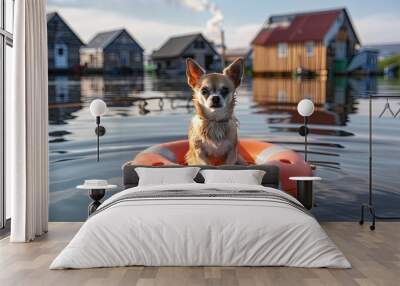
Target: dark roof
[(175, 46), (102, 40), (51, 15), (302, 27)]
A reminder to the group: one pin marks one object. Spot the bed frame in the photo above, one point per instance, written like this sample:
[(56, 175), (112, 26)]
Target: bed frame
[(270, 179)]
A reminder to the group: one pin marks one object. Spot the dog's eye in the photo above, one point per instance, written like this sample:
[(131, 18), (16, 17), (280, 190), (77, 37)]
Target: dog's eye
[(224, 91), (205, 91)]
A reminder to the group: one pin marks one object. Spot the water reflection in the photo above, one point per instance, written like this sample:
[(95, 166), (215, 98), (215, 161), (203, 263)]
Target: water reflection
[(115, 90), (333, 98), (148, 110), (363, 85), (68, 95), (64, 99), (171, 86)]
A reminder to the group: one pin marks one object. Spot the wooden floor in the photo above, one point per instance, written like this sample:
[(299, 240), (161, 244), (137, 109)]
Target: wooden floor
[(375, 257)]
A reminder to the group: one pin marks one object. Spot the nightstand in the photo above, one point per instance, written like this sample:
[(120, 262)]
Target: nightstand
[(97, 190), (305, 190)]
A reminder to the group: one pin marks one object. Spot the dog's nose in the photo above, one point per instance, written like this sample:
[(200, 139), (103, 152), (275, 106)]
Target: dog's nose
[(215, 99)]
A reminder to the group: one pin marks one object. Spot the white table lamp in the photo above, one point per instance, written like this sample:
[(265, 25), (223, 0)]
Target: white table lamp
[(305, 108), (98, 108)]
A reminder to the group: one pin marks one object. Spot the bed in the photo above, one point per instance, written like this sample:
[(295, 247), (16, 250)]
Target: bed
[(197, 224)]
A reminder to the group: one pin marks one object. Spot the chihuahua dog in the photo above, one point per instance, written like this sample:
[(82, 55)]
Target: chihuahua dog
[(213, 137)]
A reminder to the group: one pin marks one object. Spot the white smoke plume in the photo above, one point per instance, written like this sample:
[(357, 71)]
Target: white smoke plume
[(214, 24)]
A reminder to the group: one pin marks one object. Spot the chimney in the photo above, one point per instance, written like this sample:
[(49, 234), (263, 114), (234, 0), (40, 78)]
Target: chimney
[(222, 48)]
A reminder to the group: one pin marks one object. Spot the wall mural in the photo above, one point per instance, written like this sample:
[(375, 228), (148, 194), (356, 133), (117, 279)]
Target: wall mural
[(152, 106)]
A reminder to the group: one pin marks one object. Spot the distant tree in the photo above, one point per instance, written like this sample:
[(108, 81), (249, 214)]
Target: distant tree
[(389, 61)]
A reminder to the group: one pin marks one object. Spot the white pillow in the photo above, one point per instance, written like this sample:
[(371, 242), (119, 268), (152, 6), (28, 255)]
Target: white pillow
[(166, 176), (248, 177)]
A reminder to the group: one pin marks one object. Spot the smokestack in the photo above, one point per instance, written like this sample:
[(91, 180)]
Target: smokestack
[(222, 48)]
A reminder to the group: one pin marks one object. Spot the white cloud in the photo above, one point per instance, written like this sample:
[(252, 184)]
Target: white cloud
[(86, 22), (379, 28), (241, 36), (214, 24)]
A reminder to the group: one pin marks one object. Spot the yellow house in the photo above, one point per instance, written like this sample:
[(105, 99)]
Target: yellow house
[(315, 42)]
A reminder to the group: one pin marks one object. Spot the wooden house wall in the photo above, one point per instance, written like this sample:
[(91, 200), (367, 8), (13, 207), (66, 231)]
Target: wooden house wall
[(91, 58), (59, 33), (266, 60), (177, 65), (200, 54), (123, 44), (343, 35)]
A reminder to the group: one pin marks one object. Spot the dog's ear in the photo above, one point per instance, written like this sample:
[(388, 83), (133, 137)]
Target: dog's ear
[(193, 72), (235, 71)]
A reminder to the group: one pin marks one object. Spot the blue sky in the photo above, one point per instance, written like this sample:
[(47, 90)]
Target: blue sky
[(153, 21)]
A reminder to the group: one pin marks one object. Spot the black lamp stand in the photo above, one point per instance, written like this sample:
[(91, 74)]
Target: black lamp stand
[(305, 138), (303, 131), (100, 131)]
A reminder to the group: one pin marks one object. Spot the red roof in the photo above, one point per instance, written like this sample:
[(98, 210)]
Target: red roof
[(304, 27)]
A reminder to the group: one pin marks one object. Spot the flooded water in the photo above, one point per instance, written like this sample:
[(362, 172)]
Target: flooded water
[(266, 110)]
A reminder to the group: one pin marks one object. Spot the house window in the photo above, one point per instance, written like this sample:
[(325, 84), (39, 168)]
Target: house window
[(281, 96), (92, 59), (282, 50), (114, 59), (310, 49), (138, 57), (208, 61), (341, 50), (124, 58)]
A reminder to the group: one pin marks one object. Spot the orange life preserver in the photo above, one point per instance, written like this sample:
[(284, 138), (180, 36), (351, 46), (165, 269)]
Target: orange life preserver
[(256, 152)]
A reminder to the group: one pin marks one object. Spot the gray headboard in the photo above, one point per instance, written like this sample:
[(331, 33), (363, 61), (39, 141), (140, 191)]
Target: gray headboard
[(271, 177)]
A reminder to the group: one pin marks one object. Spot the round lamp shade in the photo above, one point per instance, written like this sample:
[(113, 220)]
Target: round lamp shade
[(98, 107), (305, 107)]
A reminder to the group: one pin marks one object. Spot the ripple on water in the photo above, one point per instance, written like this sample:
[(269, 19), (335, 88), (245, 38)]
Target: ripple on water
[(266, 108)]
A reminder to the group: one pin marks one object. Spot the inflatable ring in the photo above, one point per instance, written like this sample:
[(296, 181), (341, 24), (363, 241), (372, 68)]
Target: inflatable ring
[(253, 152)]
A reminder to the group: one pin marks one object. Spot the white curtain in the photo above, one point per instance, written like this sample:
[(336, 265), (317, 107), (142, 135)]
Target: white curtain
[(26, 124)]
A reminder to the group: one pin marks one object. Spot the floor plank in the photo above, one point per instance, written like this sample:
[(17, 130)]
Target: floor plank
[(375, 257)]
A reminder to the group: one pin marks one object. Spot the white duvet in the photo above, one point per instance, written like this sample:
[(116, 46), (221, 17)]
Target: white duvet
[(204, 231)]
